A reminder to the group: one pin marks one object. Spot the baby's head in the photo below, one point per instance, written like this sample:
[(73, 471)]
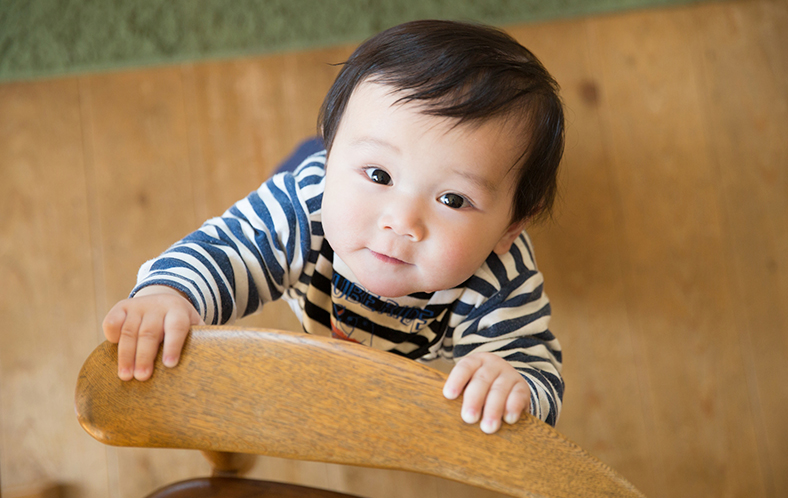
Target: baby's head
[(471, 73), (443, 138)]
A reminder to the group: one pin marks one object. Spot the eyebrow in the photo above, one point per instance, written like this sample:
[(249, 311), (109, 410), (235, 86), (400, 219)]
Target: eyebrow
[(478, 180), (375, 142)]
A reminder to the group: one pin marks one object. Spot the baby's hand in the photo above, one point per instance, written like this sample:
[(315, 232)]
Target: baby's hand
[(138, 326), (490, 383)]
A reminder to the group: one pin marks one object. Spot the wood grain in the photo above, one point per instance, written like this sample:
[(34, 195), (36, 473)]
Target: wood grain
[(581, 255), (674, 250), (262, 391), (135, 126), (47, 314), (745, 69), (247, 115)]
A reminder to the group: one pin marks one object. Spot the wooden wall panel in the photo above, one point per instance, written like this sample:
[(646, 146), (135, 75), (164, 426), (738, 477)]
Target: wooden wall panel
[(137, 126), (136, 129), (702, 430), (745, 69), (580, 254), (47, 314), (246, 116), (232, 109)]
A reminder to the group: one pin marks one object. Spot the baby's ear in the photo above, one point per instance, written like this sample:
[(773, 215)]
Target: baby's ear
[(508, 237)]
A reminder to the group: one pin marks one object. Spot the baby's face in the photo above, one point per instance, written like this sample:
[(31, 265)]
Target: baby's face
[(413, 203)]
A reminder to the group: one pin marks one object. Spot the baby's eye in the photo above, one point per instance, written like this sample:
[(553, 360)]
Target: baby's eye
[(377, 175), (454, 201)]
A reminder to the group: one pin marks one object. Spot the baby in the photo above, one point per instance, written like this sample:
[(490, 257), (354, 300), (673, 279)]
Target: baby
[(406, 234)]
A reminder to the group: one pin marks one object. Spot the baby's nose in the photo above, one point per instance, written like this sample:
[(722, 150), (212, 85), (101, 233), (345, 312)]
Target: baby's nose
[(406, 220)]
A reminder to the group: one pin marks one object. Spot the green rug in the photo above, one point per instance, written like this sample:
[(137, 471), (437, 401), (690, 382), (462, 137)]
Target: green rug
[(45, 38)]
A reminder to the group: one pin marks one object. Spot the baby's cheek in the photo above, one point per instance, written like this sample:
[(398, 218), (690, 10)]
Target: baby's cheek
[(346, 222), (455, 262)]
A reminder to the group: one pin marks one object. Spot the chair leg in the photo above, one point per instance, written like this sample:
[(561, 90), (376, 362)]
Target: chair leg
[(224, 464)]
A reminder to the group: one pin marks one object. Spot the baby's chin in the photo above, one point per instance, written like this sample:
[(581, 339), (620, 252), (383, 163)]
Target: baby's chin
[(386, 289), (390, 288), (393, 288)]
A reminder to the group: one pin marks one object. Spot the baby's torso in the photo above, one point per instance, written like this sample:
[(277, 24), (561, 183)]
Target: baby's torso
[(335, 305)]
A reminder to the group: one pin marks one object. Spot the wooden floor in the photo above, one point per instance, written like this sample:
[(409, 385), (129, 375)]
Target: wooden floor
[(667, 263)]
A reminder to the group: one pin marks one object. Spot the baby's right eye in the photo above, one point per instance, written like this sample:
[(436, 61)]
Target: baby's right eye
[(379, 176)]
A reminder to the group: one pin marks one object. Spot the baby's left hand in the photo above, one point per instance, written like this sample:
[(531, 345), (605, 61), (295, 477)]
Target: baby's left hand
[(490, 383)]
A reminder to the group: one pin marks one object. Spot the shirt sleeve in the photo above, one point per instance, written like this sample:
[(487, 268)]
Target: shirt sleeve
[(250, 255), (510, 318)]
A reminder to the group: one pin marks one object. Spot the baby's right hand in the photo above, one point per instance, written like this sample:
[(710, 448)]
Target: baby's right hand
[(139, 324)]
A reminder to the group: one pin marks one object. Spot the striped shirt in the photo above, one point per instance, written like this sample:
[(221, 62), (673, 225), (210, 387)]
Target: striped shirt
[(270, 245)]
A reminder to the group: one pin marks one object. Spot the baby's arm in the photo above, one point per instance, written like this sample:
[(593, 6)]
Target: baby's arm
[(507, 324), (492, 389), (139, 324)]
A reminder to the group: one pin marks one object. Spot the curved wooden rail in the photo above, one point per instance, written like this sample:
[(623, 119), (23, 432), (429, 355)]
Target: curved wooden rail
[(305, 397)]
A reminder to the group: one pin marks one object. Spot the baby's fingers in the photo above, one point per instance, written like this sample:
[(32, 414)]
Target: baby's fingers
[(150, 336), (495, 404), (518, 400), (475, 395), (460, 375), (176, 328), (127, 345), (113, 323)]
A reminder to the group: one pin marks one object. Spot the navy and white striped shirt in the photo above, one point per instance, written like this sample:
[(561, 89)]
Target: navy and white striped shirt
[(271, 245)]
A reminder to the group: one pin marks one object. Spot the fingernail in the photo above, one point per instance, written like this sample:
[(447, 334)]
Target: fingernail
[(125, 374), (470, 416), (490, 426), (141, 373), (511, 418), (170, 361)]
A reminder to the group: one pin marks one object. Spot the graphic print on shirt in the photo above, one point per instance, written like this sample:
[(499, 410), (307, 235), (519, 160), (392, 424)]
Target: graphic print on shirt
[(349, 325), (343, 320)]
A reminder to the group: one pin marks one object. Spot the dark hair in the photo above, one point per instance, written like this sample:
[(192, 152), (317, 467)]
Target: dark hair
[(473, 73)]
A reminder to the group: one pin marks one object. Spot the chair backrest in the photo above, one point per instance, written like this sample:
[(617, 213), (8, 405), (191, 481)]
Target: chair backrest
[(312, 398)]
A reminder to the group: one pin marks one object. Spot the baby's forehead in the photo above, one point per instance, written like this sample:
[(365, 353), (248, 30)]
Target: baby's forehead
[(514, 121), (379, 116)]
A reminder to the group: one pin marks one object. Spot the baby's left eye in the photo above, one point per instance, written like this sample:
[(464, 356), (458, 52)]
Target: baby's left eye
[(454, 201)]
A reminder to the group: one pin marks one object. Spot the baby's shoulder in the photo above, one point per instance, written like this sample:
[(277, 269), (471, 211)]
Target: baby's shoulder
[(301, 188), (312, 165), (502, 276)]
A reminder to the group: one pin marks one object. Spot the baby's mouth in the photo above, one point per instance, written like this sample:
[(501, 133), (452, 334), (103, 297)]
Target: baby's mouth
[(388, 259)]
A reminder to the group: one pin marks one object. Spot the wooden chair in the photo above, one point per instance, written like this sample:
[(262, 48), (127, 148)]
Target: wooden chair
[(254, 391)]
